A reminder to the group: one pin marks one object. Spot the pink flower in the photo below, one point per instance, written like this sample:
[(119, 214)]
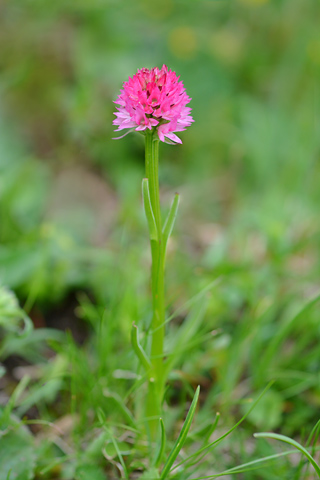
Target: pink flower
[(154, 99)]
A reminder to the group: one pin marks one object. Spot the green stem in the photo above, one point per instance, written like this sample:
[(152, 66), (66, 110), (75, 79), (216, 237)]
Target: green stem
[(155, 392)]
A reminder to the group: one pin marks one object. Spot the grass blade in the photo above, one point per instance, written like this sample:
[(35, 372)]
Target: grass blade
[(182, 437), (119, 454), (246, 467), (162, 445), (20, 388), (313, 435), (292, 442), (186, 332), (212, 428), (189, 303), (127, 415), (205, 450), (284, 330)]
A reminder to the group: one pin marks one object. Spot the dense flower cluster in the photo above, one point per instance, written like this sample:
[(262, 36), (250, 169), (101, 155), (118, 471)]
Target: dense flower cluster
[(154, 98)]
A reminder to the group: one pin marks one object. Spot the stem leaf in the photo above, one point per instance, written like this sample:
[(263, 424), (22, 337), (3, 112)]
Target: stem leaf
[(170, 220), (148, 210), (141, 354)]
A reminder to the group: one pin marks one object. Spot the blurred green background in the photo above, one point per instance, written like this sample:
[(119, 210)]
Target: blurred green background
[(248, 174), (248, 171)]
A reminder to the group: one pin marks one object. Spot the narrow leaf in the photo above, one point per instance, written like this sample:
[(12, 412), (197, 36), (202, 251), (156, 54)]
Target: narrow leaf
[(170, 220), (121, 406), (314, 433), (295, 444), (204, 433), (148, 210), (283, 332), (205, 450), (141, 354), (182, 437), (246, 467), (185, 333), (162, 445), (211, 429), (189, 303), (20, 388), (119, 454), (315, 439)]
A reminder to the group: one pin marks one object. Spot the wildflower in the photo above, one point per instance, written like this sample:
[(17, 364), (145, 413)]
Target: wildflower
[(154, 99)]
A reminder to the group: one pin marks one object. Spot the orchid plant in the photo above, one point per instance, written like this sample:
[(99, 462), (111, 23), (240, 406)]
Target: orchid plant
[(154, 103)]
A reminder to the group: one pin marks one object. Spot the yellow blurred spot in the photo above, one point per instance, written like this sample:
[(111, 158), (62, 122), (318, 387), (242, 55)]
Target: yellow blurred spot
[(47, 230), (313, 51), (65, 242), (254, 2), (227, 45), (183, 42)]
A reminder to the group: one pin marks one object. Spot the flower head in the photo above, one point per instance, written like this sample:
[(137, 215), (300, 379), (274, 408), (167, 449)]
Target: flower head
[(154, 98)]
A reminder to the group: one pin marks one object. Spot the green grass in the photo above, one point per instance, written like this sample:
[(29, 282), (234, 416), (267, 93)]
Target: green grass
[(242, 275)]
